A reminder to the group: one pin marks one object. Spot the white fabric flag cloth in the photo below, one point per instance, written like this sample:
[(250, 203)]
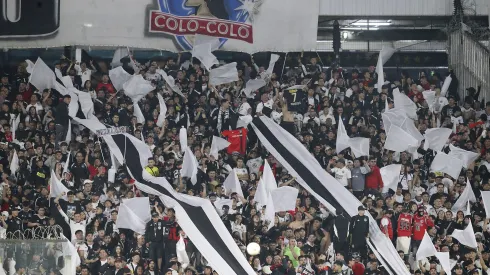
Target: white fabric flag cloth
[(42, 77), (467, 157), (430, 98), (118, 77), (14, 163), (134, 214), (284, 198), (443, 258), (485, 195), (30, 66), (253, 85), (445, 85), (86, 103), (15, 125), (261, 195), (399, 118), (138, 113), (384, 55), (447, 164), (272, 63), (390, 175), (204, 53), (403, 102), (223, 74), (163, 110), (58, 73), (466, 236), (119, 54), (181, 253), (73, 106), (436, 138), (359, 146), (57, 187), (69, 249), (200, 39), (342, 142), (219, 203), (426, 248), (68, 133), (399, 140), (232, 184), (464, 198), (243, 121), (67, 163), (217, 145), (137, 87), (67, 82), (183, 138), (171, 82), (189, 166), (270, 212), (268, 178)]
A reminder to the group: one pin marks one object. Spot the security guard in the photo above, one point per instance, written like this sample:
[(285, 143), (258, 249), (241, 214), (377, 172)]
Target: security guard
[(359, 232), (154, 233), (14, 222), (151, 168)]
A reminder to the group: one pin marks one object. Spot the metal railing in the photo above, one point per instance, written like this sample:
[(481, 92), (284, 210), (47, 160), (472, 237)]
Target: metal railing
[(470, 61)]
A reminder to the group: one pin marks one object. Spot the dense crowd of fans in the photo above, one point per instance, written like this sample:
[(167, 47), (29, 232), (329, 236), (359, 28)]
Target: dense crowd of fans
[(308, 240)]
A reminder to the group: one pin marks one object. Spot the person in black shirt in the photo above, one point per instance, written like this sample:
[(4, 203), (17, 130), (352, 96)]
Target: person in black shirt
[(62, 119), (154, 234), (14, 222), (39, 219), (359, 231)]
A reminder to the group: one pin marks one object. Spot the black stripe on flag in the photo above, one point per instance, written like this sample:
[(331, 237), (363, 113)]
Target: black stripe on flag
[(195, 213), (300, 168)]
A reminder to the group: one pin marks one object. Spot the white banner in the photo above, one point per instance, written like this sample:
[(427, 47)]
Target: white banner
[(242, 25)]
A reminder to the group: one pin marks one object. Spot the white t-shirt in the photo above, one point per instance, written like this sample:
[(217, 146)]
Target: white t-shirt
[(254, 165), (244, 109), (241, 171), (261, 105), (403, 180), (342, 175)]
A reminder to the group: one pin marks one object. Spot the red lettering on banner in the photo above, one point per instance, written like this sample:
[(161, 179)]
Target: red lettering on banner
[(161, 22)]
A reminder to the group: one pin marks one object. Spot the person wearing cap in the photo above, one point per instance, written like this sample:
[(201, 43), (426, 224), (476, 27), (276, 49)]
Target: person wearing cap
[(14, 222), (340, 172), (62, 120), (359, 231)]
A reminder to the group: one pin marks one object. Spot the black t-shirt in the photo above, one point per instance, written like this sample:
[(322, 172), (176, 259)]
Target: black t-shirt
[(36, 219), (295, 99)]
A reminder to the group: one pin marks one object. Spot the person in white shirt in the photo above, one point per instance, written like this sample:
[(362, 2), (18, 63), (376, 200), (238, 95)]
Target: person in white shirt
[(85, 73), (342, 173), (245, 108), (241, 170), (76, 224), (265, 103)]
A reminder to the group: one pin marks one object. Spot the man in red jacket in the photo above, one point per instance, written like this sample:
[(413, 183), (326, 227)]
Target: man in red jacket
[(374, 182), (420, 224)]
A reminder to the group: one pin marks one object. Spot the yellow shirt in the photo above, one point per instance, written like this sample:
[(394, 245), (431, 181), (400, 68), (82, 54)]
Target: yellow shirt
[(152, 171), (289, 253)]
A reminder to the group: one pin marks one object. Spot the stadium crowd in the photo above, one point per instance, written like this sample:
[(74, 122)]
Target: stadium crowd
[(308, 240)]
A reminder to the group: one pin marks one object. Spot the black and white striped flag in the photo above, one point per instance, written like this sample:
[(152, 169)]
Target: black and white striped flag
[(196, 216), (300, 163)]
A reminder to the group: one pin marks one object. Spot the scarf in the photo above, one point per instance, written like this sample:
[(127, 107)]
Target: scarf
[(220, 118)]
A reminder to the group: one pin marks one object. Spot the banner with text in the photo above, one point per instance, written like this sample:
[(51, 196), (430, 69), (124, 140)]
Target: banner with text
[(242, 25)]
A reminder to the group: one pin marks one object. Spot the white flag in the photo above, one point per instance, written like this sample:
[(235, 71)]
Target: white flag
[(232, 184), (445, 86), (68, 132), (119, 54), (56, 187), (183, 139), (14, 163), (284, 198), (42, 77), (485, 195), (137, 87), (189, 166), (138, 113), (127, 219), (430, 98), (359, 146), (15, 125), (219, 203), (467, 157), (163, 111), (390, 175), (270, 212), (67, 163), (261, 193), (466, 195), (200, 39), (403, 102), (140, 206), (170, 81), (447, 164), (73, 106), (436, 138), (253, 85), (223, 74), (342, 138), (466, 236), (30, 66), (272, 63), (217, 145), (384, 55), (67, 82), (181, 253), (203, 53), (118, 77), (443, 258), (399, 140), (58, 73), (86, 103), (426, 248), (68, 249), (268, 178)]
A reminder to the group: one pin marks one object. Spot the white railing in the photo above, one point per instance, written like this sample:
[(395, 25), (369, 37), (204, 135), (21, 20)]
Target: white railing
[(470, 61)]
